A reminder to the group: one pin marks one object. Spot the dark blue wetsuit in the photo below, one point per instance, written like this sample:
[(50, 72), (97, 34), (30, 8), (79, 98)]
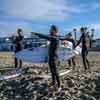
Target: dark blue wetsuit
[(85, 46), (53, 47)]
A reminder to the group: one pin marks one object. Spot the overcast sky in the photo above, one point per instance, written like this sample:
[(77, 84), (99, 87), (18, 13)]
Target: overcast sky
[(38, 15)]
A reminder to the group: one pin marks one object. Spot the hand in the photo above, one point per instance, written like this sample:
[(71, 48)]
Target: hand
[(35, 33), (75, 46)]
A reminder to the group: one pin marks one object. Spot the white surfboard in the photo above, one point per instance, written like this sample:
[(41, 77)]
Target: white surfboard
[(12, 74), (40, 54), (48, 76)]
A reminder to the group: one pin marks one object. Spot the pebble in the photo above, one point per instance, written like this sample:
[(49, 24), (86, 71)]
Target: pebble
[(85, 87)]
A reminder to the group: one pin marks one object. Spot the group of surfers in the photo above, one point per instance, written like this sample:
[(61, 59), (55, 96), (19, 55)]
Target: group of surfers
[(53, 47)]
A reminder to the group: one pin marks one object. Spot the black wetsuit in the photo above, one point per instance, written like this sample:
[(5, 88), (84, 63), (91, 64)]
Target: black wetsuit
[(53, 47), (18, 43), (18, 47), (85, 46)]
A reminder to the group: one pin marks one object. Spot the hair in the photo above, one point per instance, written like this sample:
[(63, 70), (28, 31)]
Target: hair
[(69, 34), (82, 29), (54, 27), (19, 30)]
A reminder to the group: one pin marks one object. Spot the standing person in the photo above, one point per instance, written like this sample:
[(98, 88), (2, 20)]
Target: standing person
[(17, 41), (53, 47), (71, 61), (85, 45)]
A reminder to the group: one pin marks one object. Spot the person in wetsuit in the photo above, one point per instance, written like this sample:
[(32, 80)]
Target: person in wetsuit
[(17, 41), (53, 47), (85, 45), (71, 62)]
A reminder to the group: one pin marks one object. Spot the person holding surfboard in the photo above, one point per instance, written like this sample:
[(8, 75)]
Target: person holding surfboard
[(84, 39), (17, 41), (71, 62), (53, 47)]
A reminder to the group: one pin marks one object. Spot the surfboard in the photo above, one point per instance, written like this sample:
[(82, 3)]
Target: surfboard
[(61, 73), (40, 54), (12, 74)]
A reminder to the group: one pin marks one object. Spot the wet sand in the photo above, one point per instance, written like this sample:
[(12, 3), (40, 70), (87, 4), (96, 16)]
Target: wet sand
[(77, 85)]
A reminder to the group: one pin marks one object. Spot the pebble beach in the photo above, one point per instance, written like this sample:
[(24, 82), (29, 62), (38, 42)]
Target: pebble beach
[(76, 85)]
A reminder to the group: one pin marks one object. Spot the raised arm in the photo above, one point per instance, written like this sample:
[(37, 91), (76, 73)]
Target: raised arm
[(41, 36)]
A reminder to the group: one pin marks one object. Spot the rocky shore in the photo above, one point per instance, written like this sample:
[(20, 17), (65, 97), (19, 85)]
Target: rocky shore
[(85, 86), (76, 85)]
